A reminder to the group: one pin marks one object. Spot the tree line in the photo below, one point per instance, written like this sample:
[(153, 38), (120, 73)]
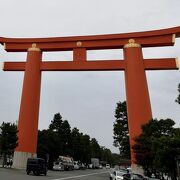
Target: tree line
[(8, 141), (60, 139)]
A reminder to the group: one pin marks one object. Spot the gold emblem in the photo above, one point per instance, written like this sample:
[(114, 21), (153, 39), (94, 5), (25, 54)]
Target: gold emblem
[(177, 63), (173, 38), (79, 44), (4, 44), (34, 48), (131, 43)]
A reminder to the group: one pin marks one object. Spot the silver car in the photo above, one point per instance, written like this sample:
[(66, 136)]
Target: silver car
[(117, 174)]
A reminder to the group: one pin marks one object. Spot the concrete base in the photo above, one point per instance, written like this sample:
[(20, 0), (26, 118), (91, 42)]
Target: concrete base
[(137, 169), (20, 159)]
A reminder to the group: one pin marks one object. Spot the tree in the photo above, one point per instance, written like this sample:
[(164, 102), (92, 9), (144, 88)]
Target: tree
[(63, 130), (48, 146), (8, 140), (107, 156), (120, 128), (75, 143), (157, 146), (95, 148), (55, 141), (178, 98), (56, 123)]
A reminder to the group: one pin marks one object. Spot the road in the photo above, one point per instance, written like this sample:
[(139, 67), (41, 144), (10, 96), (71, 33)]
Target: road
[(88, 174)]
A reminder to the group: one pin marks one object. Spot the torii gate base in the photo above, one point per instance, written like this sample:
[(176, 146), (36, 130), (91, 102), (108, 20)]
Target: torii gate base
[(20, 159), (137, 95)]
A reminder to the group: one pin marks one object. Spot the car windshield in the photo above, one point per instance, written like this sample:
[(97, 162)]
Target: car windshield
[(32, 162), (120, 173), (123, 171)]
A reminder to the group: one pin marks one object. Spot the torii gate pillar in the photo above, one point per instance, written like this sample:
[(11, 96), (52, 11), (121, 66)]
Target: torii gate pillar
[(29, 109), (137, 95)]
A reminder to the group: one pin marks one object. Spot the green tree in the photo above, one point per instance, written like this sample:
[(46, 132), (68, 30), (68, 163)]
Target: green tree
[(75, 143), (85, 147), (48, 146), (106, 155), (178, 98), (8, 140), (55, 141), (63, 130), (95, 148), (56, 123), (157, 146), (120, 129)]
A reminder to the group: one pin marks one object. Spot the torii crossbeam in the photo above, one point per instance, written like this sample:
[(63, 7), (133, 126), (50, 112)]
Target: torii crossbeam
[(133, 64)]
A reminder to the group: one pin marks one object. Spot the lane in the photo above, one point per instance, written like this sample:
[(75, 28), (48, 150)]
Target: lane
[(82, 176), (89, 174)]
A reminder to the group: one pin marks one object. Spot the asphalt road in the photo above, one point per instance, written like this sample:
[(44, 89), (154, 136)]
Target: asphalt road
[(88, 174)]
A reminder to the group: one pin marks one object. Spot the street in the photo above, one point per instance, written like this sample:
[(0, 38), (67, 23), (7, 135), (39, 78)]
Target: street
[(88, 174)]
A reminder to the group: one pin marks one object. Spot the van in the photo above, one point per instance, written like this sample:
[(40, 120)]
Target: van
[(37, 166)]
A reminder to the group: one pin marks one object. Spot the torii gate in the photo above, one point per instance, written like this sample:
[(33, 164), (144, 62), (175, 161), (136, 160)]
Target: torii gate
[(134, 66)]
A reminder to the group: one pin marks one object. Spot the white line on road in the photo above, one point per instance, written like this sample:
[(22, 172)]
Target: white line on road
[(80, 176)]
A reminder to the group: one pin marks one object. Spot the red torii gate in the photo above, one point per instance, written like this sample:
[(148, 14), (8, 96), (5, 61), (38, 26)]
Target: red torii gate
[(137, 95)]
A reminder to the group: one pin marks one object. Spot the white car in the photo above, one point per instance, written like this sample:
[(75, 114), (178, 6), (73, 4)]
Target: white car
[(117, 175), (58, 166), (107, 166), (76, 165)]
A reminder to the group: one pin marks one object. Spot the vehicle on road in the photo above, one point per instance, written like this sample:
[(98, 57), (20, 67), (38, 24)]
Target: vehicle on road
[(107, 166), (95, 163), (58, 166), (82, 166), (134, 176), (63, 163), (117, 175), (89, 166), (37, 166), (76, 165)]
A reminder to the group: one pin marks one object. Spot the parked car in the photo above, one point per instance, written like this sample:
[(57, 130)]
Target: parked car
[(58, 166), (82, 166), (107, 166), (89, 166), (37, 166), (63, 163), (76, 165)]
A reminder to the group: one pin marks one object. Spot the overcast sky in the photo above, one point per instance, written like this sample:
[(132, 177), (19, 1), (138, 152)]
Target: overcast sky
[(87, 99)]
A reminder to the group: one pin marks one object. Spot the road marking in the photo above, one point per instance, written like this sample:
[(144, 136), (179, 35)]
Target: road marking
[(71, 177)]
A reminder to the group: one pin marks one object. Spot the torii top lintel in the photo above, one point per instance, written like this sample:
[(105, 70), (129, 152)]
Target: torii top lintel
[(163, 37), (80, 44)]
